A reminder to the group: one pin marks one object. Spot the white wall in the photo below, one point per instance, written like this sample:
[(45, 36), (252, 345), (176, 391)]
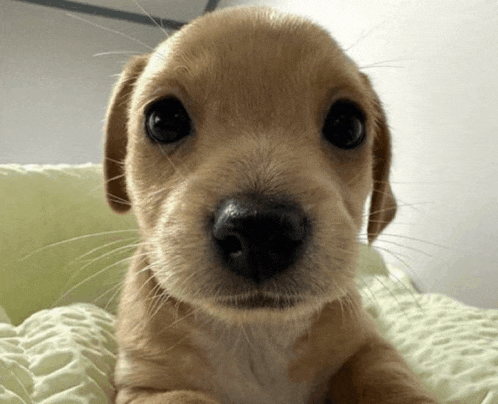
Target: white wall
[(434, 64), (53, 91)]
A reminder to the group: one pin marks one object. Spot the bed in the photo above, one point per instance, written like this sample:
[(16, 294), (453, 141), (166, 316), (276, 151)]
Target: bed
[(63, 257)]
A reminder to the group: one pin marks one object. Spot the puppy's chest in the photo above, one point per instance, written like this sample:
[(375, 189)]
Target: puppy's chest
[(251, 366)]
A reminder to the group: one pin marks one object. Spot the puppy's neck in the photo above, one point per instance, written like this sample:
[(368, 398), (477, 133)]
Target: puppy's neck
[(236, 334), (252, 360)]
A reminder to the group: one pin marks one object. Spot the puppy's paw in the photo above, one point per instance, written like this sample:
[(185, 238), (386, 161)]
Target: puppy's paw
[(147, 396)]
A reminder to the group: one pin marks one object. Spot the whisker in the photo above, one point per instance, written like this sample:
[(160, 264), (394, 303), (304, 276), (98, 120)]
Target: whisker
[(114, 251), (179, 319), (82, 256), (397, 256), (115, 53), (119, 162), (351, 306), (116, 198), (151, 18), (411, 205), (382, 67), (374, 28), (367, 33), (154, 299), (364, 285), (392, 294), (246, 336), (78, 238), (385, 63), (89, 278), (406, 247), (110, 30), (114, 296), (431, 243), (398, 281)]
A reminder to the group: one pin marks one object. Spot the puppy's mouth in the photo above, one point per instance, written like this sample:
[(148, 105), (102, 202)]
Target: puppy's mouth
[(261, 301)]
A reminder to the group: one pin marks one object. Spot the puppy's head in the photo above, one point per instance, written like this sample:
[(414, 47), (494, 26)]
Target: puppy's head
[(247, 145)]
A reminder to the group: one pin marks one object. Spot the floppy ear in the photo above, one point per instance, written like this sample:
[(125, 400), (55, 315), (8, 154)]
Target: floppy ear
[(382, 202), (116, 136)]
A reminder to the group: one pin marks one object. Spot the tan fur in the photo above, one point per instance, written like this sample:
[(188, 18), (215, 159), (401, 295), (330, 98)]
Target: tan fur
[(257, 86)]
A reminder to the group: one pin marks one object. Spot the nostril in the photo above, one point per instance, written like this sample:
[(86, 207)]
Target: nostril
[(293, 225), (231, 245)]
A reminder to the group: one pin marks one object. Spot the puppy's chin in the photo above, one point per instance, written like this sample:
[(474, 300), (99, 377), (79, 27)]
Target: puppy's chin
[(261, 308)]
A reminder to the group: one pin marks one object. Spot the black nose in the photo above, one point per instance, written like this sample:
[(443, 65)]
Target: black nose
[(257, 238)]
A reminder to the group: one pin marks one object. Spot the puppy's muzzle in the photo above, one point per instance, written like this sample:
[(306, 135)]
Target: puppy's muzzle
[(258, 238)]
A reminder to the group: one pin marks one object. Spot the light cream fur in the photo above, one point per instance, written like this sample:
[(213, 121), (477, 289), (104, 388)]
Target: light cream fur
[(257, 85)]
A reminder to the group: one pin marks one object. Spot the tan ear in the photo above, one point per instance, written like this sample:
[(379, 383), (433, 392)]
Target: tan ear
[(382, 203), (116, 136)]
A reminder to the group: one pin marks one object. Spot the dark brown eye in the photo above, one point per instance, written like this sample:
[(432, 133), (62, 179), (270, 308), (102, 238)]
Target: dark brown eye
[(344, 125), (167, 121)]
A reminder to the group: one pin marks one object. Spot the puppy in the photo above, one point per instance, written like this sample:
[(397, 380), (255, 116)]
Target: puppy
[(247, 144)]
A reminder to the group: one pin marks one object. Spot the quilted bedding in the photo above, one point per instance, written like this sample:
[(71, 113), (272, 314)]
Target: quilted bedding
[(63, 355)]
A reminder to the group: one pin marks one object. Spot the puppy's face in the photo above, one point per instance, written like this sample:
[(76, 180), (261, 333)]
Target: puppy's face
[(250, 143)]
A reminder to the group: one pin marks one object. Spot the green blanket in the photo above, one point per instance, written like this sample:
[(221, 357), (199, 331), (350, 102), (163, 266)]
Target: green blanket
[(56, 232)]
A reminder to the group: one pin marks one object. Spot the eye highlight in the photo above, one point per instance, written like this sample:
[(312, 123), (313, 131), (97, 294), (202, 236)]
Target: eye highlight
[(344, 125), (167, 121)]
